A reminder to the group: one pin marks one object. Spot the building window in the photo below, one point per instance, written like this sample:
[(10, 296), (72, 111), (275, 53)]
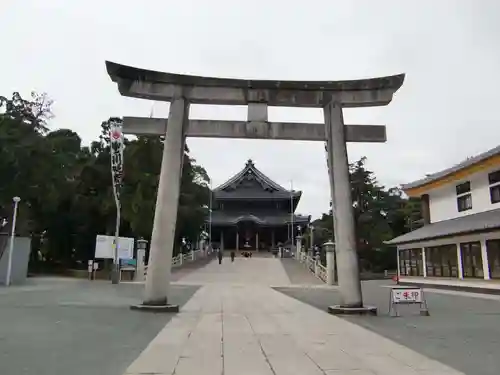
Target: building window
[(463, 188), (494, 177), (464, 202), (495, 193), (493, 250), (464, 197), (442, 261), (410, 262), (494, 181), (472, 261)]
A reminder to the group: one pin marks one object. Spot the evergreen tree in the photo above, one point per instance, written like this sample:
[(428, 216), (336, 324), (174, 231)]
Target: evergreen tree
[(66, 188)]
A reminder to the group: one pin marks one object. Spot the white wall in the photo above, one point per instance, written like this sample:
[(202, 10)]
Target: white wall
[(20, 260), (443, 201)]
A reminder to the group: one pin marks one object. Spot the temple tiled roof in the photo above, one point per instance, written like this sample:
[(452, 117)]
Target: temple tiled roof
[(254, 194), (220, 217), (250, 183)]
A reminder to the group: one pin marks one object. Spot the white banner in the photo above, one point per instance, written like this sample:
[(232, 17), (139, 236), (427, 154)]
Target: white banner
[(116, 153), (116, 149)]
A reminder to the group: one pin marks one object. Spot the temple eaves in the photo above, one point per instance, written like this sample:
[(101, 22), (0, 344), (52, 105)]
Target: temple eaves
[(153, 85), (220, 217), (251, 168)]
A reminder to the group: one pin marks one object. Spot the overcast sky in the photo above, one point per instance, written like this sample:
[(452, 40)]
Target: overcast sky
[(447, 109)]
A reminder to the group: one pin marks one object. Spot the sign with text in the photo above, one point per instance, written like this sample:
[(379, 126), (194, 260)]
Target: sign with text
[(407, 295), (104, 247)]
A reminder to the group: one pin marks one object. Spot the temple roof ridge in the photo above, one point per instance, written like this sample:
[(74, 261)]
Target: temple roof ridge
[(251, 168)]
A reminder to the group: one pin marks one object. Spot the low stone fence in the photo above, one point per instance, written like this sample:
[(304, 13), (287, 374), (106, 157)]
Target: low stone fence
[(185, 258), (177, 261), (314, 266)]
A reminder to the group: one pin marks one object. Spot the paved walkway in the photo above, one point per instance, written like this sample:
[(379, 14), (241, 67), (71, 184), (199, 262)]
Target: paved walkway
[(236, 324), (261, 271)]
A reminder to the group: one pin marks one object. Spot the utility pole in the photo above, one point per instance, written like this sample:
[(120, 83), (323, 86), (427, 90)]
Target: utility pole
[(16, 201)]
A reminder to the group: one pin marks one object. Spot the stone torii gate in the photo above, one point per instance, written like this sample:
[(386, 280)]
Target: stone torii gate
[(182, 90)]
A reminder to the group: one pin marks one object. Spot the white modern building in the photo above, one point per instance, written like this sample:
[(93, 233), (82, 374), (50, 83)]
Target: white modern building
[(459, 243)]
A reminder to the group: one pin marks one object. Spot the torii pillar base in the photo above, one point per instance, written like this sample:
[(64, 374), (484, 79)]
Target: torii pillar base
[(341, 310), (156, 308)]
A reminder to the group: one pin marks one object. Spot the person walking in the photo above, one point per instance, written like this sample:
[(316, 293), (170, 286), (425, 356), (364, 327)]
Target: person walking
[(219, 255), (233, 254)]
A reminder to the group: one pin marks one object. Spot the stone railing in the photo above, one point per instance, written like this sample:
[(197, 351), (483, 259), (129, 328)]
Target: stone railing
[(320, 271), (314, 266)]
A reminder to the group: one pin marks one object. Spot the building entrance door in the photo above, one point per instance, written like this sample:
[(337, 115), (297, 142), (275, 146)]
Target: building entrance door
[(247, 234)]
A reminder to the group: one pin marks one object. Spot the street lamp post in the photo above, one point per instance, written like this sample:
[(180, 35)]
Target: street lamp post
[(11, 245)]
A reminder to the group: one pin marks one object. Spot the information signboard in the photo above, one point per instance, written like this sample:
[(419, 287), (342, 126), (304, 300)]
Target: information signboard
[(104, 247)]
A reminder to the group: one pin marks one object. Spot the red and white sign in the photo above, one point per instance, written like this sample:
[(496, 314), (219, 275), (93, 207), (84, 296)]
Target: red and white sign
[(407, 295)]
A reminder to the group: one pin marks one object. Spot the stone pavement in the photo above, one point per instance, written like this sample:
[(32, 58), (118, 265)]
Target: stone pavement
[(236, 324), (60, 326), (462, 331)]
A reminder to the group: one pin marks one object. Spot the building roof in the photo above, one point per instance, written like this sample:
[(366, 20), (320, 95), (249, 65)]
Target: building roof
[(250, 183), (456, 168), (221, 217), (482, 221)]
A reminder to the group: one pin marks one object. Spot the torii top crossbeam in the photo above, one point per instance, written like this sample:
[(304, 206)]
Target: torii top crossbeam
[(153, 85)]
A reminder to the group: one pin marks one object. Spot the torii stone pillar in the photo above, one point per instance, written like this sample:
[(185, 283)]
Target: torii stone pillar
[(167, 202), (181, 90), (343, 216)]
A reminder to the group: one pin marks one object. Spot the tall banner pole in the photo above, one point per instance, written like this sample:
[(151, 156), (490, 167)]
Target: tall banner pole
[(116, 152)]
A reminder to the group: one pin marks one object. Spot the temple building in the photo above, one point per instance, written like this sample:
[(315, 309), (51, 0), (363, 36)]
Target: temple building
[(252, 212)]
